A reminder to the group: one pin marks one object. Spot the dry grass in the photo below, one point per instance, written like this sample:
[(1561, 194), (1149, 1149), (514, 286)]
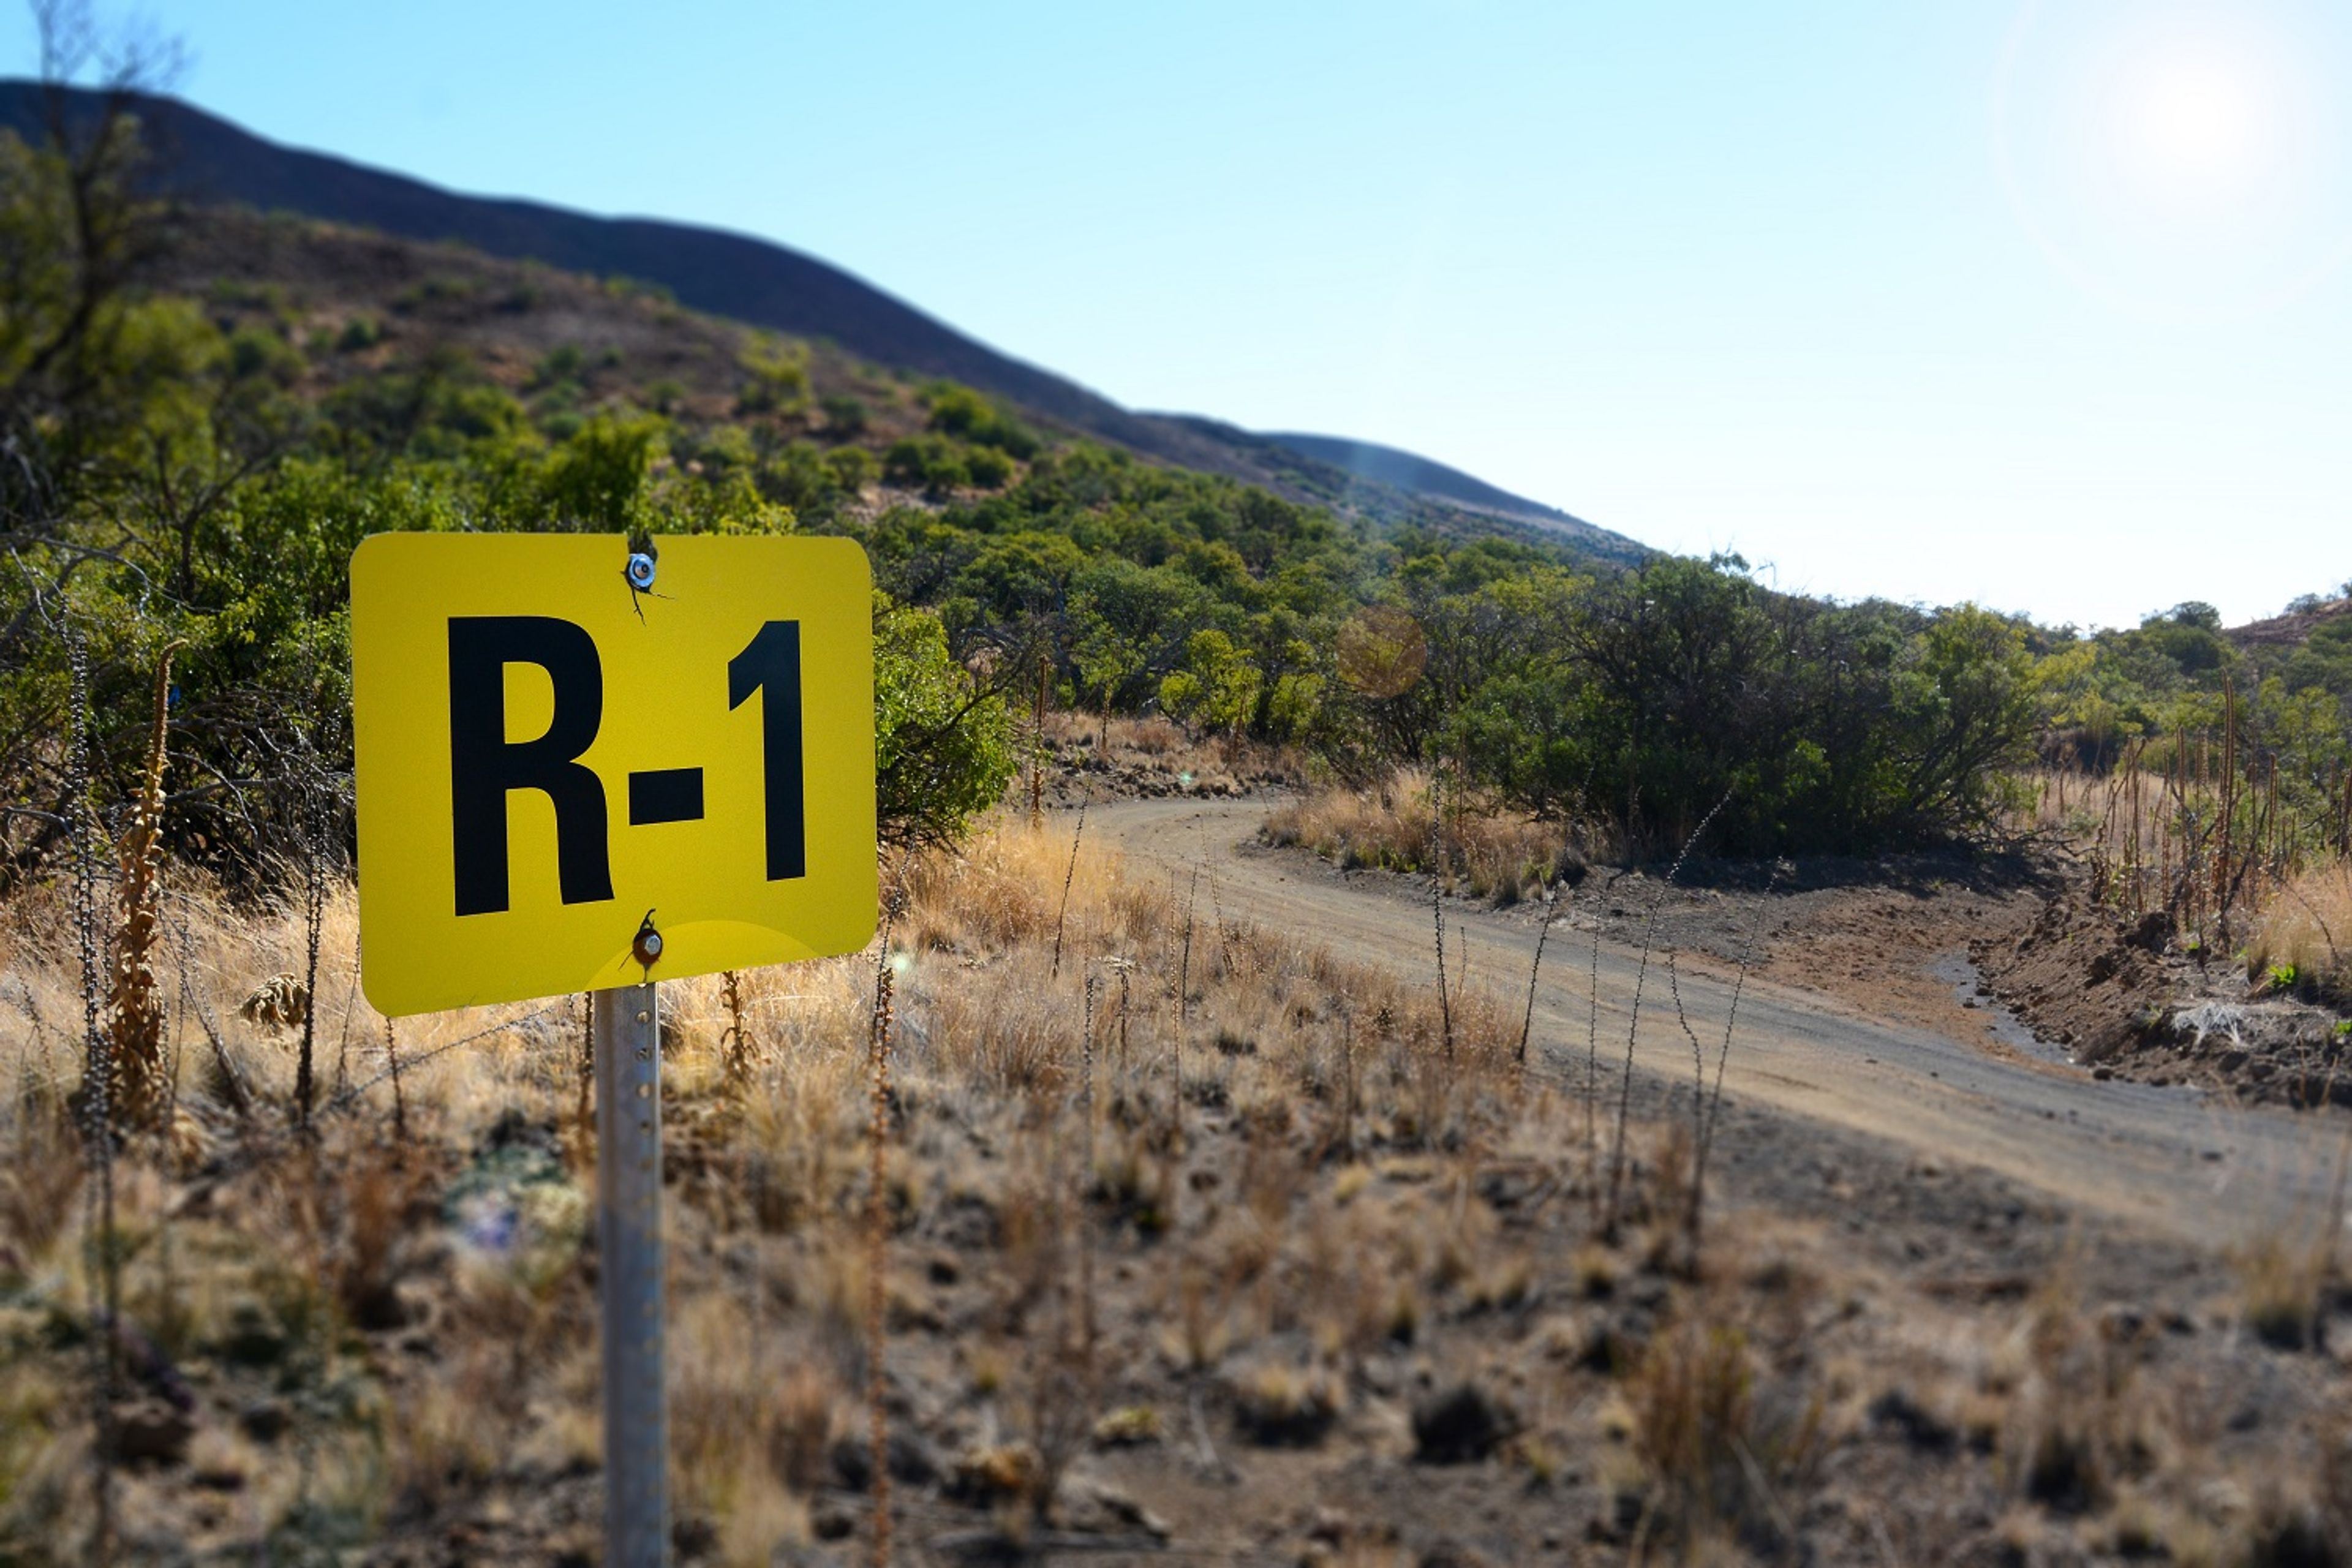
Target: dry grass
[(1265, 1273), (2285, 1288), (469, 1234), (1490, 852), (1730, 1445), (2307, 929), (2151, 836)]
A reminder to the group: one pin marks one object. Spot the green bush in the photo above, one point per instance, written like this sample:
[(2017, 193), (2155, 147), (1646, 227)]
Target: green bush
[(961, 412), (943, 742), (845, 416)]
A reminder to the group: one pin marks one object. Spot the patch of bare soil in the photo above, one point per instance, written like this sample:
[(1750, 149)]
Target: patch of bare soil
[(1151, 759), (1892, 938), (2123, 996), (1889, 938)]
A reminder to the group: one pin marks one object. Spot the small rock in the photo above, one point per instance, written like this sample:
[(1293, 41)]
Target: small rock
[(1450, 1554), (2153, 932), (218, 1478), (1099, 1507), (1919, 1427), (693, 1535), (381, 1307), (255, 1338)]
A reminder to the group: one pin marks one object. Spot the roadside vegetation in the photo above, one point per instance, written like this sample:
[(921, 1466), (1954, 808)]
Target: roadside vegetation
[(1192, 1236)]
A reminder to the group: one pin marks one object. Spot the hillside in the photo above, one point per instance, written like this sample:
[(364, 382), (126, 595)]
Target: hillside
[(2295, 626), (207, 161)]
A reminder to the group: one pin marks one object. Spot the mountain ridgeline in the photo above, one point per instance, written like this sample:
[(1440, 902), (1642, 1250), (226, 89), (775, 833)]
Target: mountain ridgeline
[(202, 159)]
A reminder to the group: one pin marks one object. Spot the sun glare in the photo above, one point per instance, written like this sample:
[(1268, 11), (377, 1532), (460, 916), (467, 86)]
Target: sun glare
[(2183, 160), (2194, 115)]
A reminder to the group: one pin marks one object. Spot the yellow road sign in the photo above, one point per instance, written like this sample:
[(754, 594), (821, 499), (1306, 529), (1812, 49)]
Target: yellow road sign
[(547, 755)]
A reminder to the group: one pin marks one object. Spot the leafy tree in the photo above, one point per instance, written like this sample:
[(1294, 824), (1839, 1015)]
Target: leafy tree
[(1218, 687), (1126, 620), (943, 738), (1965, 696)]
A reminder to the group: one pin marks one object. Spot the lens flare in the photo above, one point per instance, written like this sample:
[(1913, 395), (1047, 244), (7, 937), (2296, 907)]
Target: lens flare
[(2195, 117), (2183, 160)]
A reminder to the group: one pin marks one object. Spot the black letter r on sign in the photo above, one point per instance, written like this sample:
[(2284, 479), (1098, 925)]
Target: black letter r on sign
[(483, 765)]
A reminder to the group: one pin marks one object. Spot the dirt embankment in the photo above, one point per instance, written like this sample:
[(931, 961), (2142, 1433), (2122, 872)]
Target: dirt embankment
[(2016, 955), (2010, 952), (2128, 1003)]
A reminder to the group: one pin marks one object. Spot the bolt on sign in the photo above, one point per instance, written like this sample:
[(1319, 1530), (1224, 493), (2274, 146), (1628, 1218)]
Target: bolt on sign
[(578, 772)]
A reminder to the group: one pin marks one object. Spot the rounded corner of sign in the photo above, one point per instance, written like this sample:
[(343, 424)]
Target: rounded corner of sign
[(853, 559), (362, 556), (386, 999), (373, 546)]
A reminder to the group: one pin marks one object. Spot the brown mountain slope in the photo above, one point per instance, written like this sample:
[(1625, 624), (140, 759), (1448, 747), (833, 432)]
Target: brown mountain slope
[(207, 161)]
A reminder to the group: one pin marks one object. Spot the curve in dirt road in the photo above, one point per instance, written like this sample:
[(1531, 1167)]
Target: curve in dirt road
[(2178, 1160)]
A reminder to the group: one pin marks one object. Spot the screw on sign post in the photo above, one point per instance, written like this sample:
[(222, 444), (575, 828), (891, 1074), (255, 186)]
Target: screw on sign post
[(553, 756)]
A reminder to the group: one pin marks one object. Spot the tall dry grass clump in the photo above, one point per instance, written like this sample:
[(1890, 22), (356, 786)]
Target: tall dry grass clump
[(1729, 1448), (1484, 849), (2307, 931)]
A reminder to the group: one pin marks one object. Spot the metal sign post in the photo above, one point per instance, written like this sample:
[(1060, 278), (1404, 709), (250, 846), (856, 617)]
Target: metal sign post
[(626, 1028)]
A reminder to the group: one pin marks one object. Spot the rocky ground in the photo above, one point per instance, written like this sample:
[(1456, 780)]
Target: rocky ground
[(1150, 759)]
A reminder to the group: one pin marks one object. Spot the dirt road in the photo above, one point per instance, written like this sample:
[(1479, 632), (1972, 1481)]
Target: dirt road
[(2172, 1158)]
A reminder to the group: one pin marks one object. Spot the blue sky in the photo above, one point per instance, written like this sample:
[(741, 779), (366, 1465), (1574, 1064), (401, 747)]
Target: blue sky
[(2037, 302)]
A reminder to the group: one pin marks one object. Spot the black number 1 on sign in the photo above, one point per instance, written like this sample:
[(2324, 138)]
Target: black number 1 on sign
[(771, 664)]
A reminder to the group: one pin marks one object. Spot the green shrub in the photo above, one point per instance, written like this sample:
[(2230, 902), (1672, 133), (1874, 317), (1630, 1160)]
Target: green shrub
[(961, 412), (944, 744)]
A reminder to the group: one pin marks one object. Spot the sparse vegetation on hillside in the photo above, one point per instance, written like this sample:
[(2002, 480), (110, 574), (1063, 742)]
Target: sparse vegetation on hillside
[(225, 420)]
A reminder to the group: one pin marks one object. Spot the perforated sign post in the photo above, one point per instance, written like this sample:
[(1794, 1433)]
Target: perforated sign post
[(584, 768)]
